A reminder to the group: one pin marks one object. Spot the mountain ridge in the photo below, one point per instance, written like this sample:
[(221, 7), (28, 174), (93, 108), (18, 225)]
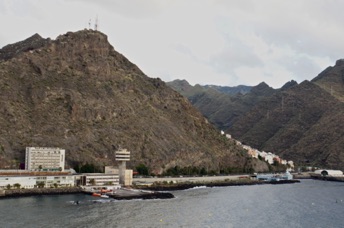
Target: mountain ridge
[(76, 92), (300, 122)]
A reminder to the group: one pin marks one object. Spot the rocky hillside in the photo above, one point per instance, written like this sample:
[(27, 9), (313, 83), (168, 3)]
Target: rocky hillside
[(302, 122), (78, 93), (220, 106)]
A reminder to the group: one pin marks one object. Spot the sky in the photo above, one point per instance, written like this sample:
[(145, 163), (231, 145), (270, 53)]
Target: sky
[(217, 42)]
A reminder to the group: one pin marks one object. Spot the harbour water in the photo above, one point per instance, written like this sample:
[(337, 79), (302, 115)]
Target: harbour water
[(311, 203)]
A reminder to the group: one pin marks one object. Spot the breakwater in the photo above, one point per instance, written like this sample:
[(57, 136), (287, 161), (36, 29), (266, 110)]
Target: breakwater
[(39, 191), (183, 186), (144, 196), (328, 178)]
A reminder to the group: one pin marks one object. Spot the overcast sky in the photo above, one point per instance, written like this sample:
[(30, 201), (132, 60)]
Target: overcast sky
[(219, 42)]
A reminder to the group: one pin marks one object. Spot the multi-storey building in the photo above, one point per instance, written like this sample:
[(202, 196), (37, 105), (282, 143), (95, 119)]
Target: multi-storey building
[(44, 159)]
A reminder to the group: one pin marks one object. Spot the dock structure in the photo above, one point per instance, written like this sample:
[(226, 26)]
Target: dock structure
[(122, 156)]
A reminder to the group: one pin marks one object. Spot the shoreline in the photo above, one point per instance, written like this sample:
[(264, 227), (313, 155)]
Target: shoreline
[(184, 186), (14, 193), (327, 178), (138, 191)]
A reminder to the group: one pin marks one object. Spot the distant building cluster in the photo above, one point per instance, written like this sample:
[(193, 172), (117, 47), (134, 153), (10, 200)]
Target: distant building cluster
[(45, 168), (267, 156)]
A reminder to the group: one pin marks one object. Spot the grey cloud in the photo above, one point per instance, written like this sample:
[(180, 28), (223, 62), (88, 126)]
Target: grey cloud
[(301, 68), (237, 55), (137, 9)]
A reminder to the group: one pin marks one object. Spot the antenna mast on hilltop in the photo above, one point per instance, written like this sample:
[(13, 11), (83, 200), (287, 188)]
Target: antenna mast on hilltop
[(96, 24)]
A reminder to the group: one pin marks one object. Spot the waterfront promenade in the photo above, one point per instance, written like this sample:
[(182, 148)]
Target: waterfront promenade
[(182, 179)]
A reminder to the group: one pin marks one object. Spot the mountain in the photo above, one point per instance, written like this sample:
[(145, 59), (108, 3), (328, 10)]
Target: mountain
[(301, 122), (332, 80), (221, 107), (240, 89), (78, 93)]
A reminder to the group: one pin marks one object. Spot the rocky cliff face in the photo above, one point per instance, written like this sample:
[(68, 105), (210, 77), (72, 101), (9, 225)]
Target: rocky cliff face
[(218, 104), (78, 93), (302, 122), (31, 43)]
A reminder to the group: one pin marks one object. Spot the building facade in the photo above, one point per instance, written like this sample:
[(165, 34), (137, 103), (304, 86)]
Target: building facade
[(99, 180), (128, 176), (44, 159), (7, 182), (122, 156)]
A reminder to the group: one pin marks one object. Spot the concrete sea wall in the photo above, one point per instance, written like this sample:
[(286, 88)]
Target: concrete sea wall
[(39, 191)]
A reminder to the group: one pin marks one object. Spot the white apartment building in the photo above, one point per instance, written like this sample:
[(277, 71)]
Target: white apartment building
[(44, 159)]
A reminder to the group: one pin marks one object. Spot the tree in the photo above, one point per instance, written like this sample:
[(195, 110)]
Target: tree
[(92, 181), (142, 169), (8, 186), (87, 168), (41, 184), (40, 167), (203, 171), (17, 185)]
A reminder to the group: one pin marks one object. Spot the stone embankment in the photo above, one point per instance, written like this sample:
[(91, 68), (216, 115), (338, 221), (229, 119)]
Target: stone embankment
[(130, 193), (183, 186), (143, 195), (39, 191), (328, 178)]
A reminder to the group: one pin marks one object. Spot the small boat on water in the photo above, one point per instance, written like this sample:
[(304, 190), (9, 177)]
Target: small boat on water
[(100, 195)]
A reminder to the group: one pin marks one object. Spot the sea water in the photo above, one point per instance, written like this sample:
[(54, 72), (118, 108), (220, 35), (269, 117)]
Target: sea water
[(311, 203)]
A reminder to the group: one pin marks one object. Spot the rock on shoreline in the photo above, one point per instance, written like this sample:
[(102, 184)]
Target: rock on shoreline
[(153, 195)]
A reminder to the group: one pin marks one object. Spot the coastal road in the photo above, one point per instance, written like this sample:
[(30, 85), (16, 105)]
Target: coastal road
[(205, 179)]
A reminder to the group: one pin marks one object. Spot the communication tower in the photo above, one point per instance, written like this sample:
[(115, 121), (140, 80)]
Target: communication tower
[(96, 24)]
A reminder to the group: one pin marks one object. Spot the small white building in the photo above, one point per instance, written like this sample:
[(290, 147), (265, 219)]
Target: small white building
[(291, 164), (328, 172), (269, 158), (44, 159), (284, 162), (99, 180), (128, 177)]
